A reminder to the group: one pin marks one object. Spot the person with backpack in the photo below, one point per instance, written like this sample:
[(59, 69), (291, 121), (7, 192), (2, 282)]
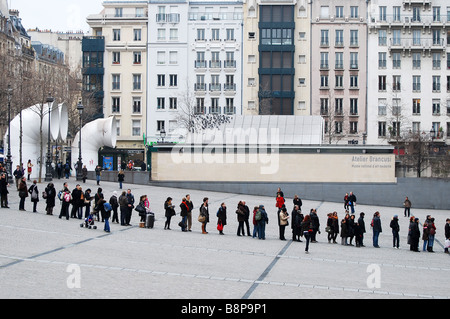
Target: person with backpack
[(34, 194), (263, 220)]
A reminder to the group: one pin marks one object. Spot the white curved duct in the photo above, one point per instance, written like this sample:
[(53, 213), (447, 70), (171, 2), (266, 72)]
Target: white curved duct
[(94, 135), (31, 134)]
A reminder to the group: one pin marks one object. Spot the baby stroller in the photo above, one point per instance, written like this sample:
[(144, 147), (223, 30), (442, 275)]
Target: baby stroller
[(89, 222)]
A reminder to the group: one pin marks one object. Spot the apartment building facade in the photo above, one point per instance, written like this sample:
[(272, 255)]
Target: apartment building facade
[(122, 27), (195, 53), (338, 69), (408, 49), (276, 56)]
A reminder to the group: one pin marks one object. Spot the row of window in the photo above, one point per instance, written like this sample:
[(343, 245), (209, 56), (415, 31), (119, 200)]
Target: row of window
[(394, 129), (396, 107), (414, 16), (396, 84), (416, 60), (136, 83), (117, 34), (135, 127), (339, 127), (398, 40), (215, 35), (339, 60), (339, 38), (338, 109), (137, 57)]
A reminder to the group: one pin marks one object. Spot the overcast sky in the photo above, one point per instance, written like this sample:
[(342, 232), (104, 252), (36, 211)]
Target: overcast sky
[(57, 15)]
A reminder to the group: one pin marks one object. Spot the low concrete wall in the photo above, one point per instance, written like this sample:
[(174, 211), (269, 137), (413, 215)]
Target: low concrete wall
[(427, 193), (423, 193)]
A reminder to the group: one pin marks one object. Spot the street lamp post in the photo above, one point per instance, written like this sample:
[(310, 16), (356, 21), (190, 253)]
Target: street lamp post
[(80, 109), (48, 171), (8, 156)]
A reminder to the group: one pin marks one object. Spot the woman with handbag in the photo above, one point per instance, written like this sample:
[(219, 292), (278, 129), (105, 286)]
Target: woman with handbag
[(221, 218), (204, 215)]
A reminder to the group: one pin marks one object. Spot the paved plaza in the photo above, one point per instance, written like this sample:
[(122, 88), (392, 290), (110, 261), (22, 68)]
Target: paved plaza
[(46, 257)]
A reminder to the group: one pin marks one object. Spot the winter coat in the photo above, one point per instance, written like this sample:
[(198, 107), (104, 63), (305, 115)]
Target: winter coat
[(184, 209), (240, 212), (23, 190), (33, 189), (114, 202), (414, 231), (377, 224), (169, 209), (284, 218), (344, 232), (204, 211), (222, 216), (51, 194), (3, 186), (362, 224), (280, 202), (394, 225)]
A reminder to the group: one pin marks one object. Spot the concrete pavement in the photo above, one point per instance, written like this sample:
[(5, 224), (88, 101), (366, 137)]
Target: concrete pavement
[(45, 257)]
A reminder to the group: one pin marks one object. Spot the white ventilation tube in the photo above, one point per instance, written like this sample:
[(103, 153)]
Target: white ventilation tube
[(94, 135), (59, 123)]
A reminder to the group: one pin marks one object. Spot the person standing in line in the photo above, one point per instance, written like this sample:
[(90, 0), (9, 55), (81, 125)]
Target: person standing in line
[(60, 195), (4, 190), (105, 213), (222, 218), (240, 218), (376, 225), (447, 234), (114, 202), (255, 222), (169, 212), (279, 205), (98, 174), (333, 224), (431, 235), (246, 217), (395, 232), (87, 202), (362, 226), (121, 178), (296, 222), (263, 221), (66, 200), (297, 202), (130, 198), (50, 192), (76, 202), (34, 192), (283, 216), (414, 232), (184, 213), (425, 233), (29, 169), (23, 193), (204, 213), (351, 228), (307, 229), (189, 213), (344, 231), (123, 204), (407, 205), (315, 225)]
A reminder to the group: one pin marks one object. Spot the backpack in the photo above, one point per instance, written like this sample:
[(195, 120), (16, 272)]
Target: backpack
[(60, 194), (107, 207), (67, 197), (258, 215)]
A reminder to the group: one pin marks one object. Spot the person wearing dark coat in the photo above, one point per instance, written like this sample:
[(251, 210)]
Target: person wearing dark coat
[(395, 231), (246, 217), (87, 202), (77, 203), (50, 192), (307, 229), (184, 214), (4, 190), (344, 233), (262, 223), (351, 228), (113, 201), (123, 204), (333, 226), (315, 224), (222, 217), (240, 212), (169, 212), (414, 232), (376, 226), (34, 192), (297, 202), (362, 226), (447, 232), (296, 223), (204, 212)]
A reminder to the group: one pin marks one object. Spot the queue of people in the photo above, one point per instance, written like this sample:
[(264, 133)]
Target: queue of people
[(351, 228)]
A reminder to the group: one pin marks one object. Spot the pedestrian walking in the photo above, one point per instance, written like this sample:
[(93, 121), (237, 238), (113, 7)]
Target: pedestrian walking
[(50, 195), (98, 174), (169, 212), (121, 178), (23, 193), (84, 173), (203, 217), (221, 218), (307, 228), (376, 227), (407, 206), (395, 232)]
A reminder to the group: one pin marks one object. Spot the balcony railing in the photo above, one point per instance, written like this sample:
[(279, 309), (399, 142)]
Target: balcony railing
[(200, 64), (416, 43), (215, 87), (229, 87), (229, 64), (199, 87), (167, 17)]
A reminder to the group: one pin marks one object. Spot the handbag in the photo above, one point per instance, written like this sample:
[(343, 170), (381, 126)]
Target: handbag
[(201, 218), (220, 227), (447, 243)]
